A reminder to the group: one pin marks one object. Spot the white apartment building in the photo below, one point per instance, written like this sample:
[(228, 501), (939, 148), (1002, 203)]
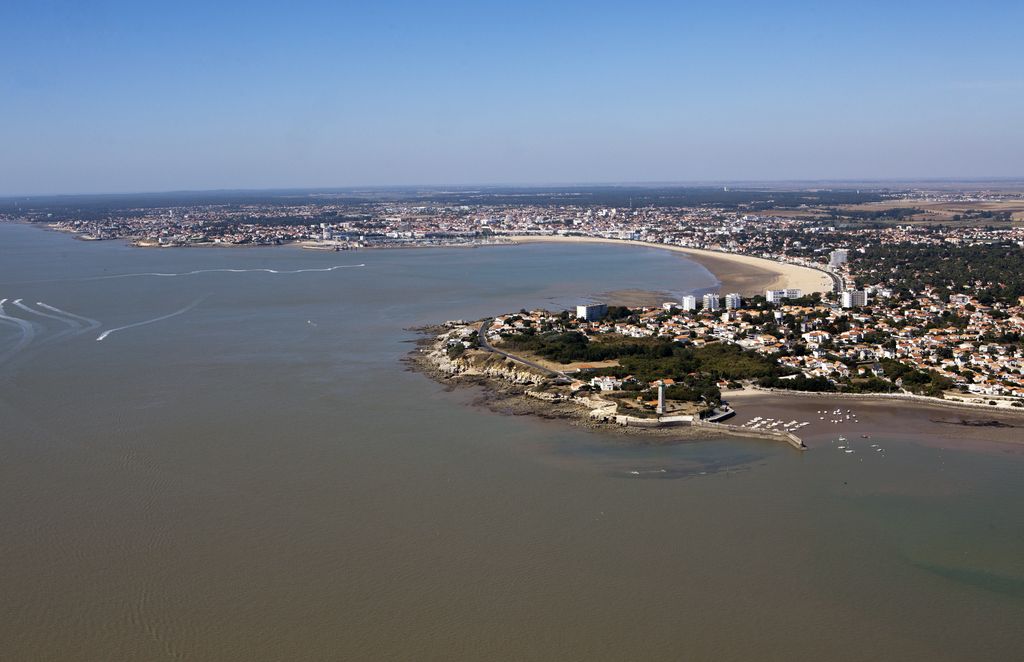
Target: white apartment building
[(854, 299), (592, 312)]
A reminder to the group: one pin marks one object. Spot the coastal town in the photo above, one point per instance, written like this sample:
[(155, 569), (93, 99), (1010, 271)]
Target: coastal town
[(871, 320), (823, 343), (512, 331), (682, 362)]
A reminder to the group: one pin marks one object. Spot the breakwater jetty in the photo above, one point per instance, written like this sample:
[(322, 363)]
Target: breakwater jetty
[(774, 435), (608, 414)]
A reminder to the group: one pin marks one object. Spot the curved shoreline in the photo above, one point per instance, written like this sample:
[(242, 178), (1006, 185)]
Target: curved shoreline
[(745, 274)]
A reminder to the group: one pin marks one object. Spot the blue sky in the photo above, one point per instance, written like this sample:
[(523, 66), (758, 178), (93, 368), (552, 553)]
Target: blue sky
[(147, 96)]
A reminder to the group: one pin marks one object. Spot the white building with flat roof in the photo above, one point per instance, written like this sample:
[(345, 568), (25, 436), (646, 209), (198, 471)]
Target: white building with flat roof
[(776, 296), (688, 302), (733, 301), (591, 312), (854, 299), (711, 301)]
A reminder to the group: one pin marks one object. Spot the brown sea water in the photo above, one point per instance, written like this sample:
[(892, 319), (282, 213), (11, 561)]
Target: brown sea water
[(258, 477)]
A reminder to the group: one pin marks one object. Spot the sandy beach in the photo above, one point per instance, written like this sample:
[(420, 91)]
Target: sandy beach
[(738, 273)]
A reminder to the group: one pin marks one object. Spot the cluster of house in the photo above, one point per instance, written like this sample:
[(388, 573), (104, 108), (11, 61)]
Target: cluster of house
[(829, 339), (798, 240)]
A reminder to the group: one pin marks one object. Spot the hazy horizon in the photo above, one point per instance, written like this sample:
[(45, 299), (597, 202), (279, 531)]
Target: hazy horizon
[(751, 184), (121, 97)]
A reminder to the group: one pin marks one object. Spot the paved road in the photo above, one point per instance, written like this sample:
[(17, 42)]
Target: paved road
[(488, 347)]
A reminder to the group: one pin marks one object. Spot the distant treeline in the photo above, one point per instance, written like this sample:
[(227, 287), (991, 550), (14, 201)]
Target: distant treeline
[(896, 213), (992, 272)]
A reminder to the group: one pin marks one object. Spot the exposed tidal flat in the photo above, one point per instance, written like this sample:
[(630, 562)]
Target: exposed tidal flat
[(260, 478)]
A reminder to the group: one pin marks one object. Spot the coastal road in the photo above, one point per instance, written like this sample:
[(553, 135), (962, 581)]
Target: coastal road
[(838, 282), (487, 347)]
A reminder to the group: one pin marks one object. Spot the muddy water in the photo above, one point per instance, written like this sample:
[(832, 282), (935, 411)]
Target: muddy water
[(251, 474)]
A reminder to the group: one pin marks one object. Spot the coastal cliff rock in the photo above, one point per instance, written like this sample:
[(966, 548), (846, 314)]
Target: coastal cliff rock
[(512, 388), (473, 362)]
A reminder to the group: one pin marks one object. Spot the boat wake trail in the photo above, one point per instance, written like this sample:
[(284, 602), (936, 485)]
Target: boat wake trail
[(28, 332), (70, 318), (227, 271), (74, 326), (152, 321)]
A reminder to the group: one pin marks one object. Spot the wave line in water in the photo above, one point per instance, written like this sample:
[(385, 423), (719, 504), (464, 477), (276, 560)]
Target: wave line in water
[(227, 271), (75, 328), (152, 321), (73, 323), (28, 332), (92, 324)]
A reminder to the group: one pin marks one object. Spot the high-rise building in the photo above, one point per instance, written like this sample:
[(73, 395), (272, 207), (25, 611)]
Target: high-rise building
[(733, 301), (854, 298), (838, 257), (688, 302), (591, 312), (711, 301)]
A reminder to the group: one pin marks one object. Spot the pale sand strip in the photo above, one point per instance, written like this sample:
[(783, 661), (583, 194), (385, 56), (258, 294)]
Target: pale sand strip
[(745, 274)]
